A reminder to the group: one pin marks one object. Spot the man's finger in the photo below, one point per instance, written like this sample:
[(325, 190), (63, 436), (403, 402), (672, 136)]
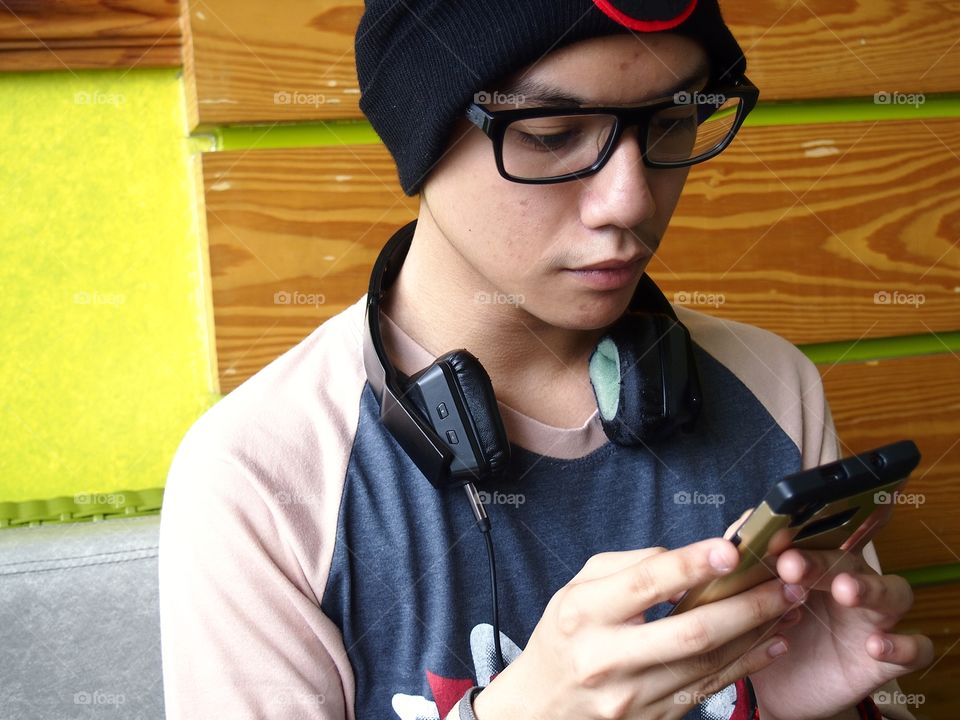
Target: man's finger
[(728, 533), (620, 596), (888, 597), (912, 652), (817, 568), (606, 563), (710, 626), (750, 662)]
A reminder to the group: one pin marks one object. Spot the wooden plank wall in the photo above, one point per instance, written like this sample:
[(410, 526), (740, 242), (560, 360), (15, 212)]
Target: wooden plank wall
[(246, 52), (800, 228), (89, 34)]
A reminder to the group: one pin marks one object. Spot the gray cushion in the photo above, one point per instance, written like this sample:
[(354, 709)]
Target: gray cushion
[(79, 620)]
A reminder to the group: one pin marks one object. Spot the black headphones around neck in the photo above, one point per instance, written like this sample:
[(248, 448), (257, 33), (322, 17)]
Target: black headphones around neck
[(445, 417)]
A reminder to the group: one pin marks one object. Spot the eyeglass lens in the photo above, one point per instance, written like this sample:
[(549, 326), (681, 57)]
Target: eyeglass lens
[(545, 147)]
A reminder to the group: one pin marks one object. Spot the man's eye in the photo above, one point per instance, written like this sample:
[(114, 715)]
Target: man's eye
[(553, 141)]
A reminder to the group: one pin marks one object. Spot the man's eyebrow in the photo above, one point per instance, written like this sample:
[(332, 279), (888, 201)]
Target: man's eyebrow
[(541, 94)]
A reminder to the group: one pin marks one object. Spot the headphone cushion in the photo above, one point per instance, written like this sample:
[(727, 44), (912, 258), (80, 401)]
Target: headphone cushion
[(481, 402), (628, 379)]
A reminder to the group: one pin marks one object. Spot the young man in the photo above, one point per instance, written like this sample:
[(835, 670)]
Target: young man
[(307, 566)]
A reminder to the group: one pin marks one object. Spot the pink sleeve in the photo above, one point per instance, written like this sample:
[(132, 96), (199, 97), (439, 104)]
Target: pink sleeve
[(779, 375), (242, 633)]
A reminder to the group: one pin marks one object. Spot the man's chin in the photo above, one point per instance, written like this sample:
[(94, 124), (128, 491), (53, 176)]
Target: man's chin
[(590, 314)]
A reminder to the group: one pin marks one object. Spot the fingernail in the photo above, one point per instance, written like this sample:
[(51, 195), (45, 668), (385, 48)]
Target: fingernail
[(717, 561), (861, 588), (777, 649), (791, 617), (887, 646), (794, 593)]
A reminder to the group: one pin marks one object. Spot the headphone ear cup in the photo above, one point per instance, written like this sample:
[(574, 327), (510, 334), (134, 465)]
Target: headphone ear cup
[(626, 376), (481, 403), (644, 379)]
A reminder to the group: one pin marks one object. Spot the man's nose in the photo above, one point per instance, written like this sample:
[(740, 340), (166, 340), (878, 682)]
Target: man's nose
[(620, 194)]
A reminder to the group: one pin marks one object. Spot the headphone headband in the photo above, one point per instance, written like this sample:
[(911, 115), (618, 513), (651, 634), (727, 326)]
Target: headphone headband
[(397, 412)]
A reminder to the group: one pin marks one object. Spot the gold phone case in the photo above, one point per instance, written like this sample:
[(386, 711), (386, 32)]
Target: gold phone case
[(765, 532)]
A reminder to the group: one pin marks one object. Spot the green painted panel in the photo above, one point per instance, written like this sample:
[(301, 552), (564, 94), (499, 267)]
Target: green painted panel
[(359, 132), (883, 348)]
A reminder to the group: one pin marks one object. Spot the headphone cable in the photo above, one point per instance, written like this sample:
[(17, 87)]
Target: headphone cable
[(483, 522)]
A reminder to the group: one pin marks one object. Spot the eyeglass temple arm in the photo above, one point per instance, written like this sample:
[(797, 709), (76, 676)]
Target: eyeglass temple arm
[(478, 117)]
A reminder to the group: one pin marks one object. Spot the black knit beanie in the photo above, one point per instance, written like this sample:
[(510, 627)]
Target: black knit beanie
[(420, 62)]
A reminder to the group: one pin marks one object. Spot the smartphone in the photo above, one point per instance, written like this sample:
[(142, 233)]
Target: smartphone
[(823, 508)]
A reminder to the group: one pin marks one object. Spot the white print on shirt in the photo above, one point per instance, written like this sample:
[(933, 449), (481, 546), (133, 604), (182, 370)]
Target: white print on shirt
[(721, 705), (449, 690)]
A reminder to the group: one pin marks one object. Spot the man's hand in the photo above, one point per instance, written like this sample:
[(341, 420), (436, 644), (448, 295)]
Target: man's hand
[(592, 655), (842, 649)]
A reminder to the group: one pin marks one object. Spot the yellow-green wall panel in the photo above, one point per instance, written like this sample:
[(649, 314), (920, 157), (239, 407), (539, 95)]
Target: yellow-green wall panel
[(107, 354)]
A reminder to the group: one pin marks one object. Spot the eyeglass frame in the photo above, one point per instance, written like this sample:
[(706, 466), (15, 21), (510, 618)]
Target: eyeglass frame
[(494, 124)]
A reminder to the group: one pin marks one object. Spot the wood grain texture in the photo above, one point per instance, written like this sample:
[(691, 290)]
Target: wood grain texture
[(89, 34), (287, 60), (189, 71), (918, 398), (284, 222), (247, 52), (843, 48), (935, 615), (806, 230)]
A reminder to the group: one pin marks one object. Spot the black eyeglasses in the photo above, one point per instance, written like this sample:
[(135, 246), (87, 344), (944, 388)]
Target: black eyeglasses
[(550, 145)]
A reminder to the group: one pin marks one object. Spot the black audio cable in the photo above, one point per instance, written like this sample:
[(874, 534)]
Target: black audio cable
[(483, 522)]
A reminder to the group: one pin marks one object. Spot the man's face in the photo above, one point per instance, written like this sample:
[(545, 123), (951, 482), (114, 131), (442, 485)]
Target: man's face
[(525, 240)]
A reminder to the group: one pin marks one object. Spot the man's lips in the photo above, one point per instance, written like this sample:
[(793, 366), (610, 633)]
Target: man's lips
[(608, 274), (614, 264)]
